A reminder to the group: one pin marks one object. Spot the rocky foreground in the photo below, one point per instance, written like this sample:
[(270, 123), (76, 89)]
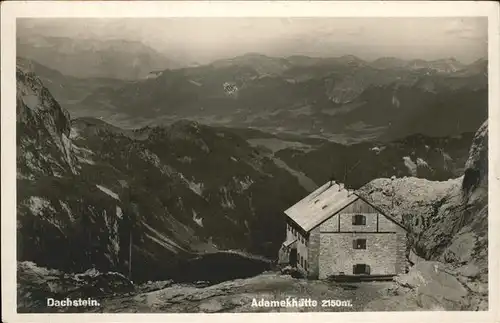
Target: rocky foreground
[(117, 295), (428, 286)]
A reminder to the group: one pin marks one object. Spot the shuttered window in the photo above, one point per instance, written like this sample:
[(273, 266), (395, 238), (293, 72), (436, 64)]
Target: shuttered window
[(361, 269), (358, 219), (359, 244)]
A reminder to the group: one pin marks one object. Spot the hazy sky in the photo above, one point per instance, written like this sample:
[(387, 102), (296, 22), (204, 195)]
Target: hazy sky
[(207, 39)]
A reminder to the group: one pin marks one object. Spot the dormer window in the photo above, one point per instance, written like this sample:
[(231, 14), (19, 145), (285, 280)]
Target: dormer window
[(358, 219)]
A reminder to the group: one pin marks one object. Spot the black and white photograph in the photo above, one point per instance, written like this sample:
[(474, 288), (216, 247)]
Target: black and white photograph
[(259, 164)]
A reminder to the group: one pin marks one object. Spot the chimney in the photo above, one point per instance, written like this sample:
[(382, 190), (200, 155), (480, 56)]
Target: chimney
[(341, 186), (332, 181)]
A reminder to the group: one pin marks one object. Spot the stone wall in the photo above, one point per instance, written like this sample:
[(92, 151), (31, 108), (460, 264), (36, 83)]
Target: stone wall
[(313, 253), (402, 264), (337, 254), (329, 249), (386, 225)]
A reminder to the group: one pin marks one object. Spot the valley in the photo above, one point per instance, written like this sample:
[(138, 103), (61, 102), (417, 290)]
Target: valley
[(344, 99)]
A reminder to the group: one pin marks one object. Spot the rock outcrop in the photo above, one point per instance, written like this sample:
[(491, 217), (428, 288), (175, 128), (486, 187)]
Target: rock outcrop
[(447, 232)]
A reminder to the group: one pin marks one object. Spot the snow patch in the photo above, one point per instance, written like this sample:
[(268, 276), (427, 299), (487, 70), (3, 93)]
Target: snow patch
[(119, 212), (195, 83), (161, 239), (446, 159), (196, 219), (21, 176), (243, 184), (38, 204), (82, 150), (422, 163), (234, 159), (67, 150), (66, 208), (412, 167), (227, 201), (395, 102), (196, 187), (31, 162), (152, 158), (74, 133), (108, 191), (153, 75), (186, 160), (85, 160), (377, 150)]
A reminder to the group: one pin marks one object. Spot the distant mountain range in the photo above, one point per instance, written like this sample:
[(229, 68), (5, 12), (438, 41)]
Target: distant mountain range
[(343, 99), (82, 57)]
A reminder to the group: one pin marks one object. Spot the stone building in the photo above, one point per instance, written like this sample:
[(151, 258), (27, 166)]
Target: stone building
[(336, 232)]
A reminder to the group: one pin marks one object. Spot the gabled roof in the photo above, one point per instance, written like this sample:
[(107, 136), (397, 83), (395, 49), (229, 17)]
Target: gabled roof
[(320, 205), (325, 202), (390, 218)]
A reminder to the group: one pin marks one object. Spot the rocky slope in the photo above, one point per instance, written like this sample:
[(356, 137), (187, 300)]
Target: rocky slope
[(448, 235), (432, 158), (95, 193)]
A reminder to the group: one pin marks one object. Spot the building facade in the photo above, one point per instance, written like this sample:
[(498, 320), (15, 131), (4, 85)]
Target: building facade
[(336, 232)]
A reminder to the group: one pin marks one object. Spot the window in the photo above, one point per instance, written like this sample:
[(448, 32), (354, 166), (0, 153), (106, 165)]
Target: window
[(361, 269), (305, 264), (359, 243), (302, 261), (358, 219)]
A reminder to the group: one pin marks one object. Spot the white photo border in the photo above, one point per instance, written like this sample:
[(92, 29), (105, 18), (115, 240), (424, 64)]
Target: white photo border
[(10, 10)]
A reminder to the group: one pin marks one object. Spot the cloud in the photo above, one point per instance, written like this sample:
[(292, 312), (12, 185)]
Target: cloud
[(467, 28)]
